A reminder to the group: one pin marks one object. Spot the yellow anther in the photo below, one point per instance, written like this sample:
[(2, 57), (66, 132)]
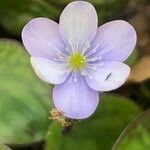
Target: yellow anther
[(77, 61)]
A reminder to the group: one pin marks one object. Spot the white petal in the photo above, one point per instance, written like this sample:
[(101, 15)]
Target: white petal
[(75, 99), (41, 38), (116, 40), (49, 70), (108, 77), (78, 23)]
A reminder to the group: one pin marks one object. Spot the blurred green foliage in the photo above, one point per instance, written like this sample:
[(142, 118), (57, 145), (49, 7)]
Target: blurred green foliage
[(99, 131), (14, 14), (132, 58), (4, 147), (24, 100), (137, 135)]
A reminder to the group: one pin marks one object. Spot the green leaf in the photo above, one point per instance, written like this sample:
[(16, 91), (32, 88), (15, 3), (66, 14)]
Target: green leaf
[(136, 136), (24, 98), (4, 147), (132, 58), (99, 131), (14, 15)]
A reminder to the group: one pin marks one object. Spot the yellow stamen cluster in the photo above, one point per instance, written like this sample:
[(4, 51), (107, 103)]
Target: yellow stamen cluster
[(77, 61)]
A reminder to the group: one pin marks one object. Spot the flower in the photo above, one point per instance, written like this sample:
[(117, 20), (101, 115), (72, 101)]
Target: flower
[(78, 57)]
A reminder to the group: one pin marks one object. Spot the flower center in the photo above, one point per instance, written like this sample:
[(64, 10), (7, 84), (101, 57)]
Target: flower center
[(77, 61)]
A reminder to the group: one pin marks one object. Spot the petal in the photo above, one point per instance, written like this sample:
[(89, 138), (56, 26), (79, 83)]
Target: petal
[(41, 38), (48, 70), (108, 77), (116, 40), (75, 99), (78, 23)]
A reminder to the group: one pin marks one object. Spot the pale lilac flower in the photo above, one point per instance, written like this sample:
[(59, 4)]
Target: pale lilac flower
[(78, 57)]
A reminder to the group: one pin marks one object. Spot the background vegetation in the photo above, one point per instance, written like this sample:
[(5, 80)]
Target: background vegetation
[(122, 121)]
